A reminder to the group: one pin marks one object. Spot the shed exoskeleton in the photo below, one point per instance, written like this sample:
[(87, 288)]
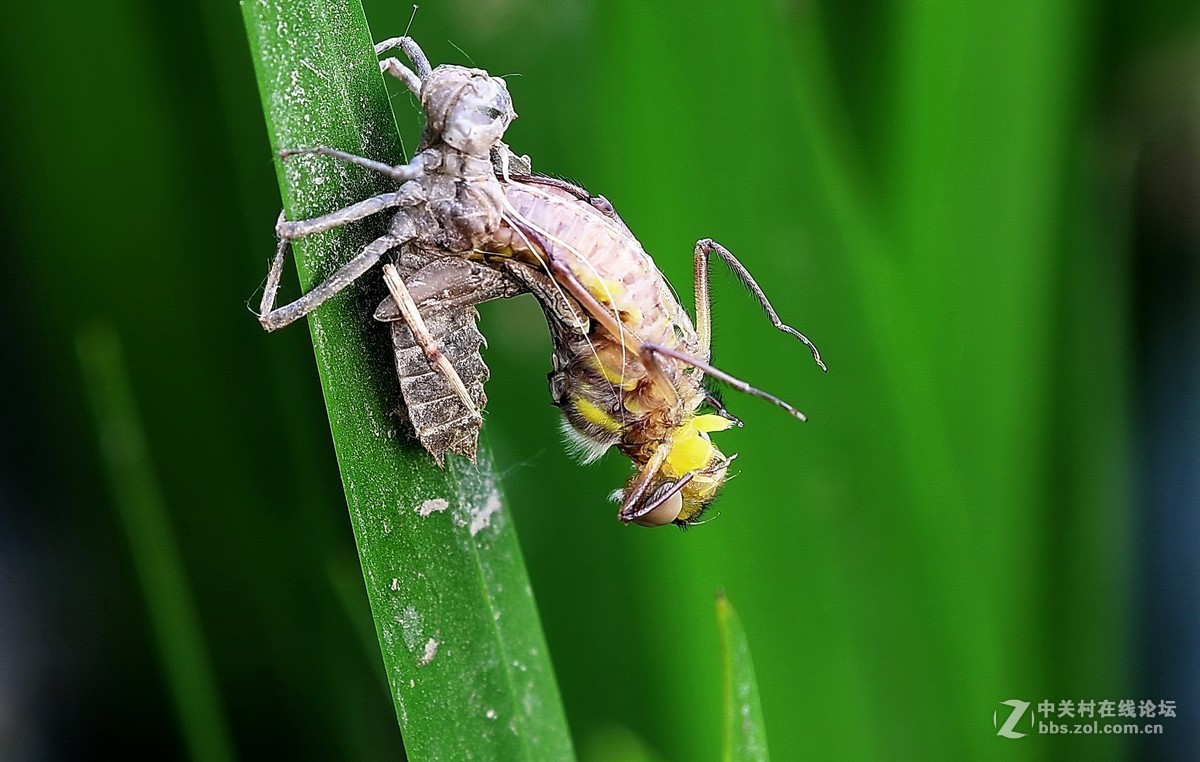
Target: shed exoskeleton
[(448, 204)]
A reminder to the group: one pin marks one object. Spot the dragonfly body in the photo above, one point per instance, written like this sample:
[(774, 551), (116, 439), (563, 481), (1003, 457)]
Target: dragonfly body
[(611, 393)]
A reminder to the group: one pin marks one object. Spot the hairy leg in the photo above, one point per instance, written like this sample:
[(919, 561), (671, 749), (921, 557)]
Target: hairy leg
[(704, 305)]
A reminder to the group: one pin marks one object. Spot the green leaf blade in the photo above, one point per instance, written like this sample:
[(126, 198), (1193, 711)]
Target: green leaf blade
[(462, 644), (745, 732)]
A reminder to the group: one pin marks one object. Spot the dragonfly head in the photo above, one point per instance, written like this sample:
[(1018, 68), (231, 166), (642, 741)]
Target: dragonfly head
[(688, 480), (468, 109)]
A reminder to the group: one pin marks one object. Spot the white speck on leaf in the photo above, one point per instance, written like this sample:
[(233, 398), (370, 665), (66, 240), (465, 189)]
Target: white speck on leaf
[(431, 649), (403, 709), (313, 69), (410, 626), (434, 505), (482, 519)]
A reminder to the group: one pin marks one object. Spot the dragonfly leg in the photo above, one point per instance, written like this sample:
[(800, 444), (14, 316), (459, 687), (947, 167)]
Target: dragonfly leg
[(400, 173), (335, 219), (641, 482), (650, 353), (273, 317), (411, 50), (706, 246)]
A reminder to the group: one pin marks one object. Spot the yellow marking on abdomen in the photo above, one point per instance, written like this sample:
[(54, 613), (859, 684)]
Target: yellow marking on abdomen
[(595, 416)]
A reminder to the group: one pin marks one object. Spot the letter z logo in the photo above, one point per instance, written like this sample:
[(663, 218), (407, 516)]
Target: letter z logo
[(1018, 711)]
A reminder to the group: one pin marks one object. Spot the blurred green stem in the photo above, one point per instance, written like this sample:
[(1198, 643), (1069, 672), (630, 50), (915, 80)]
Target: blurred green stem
[(160, 568)]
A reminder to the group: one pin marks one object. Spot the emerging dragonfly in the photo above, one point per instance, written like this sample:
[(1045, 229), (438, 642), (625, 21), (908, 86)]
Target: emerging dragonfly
[(475, 224)]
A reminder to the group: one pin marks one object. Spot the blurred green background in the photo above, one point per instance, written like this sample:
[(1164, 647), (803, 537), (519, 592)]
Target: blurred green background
[(985, 214)]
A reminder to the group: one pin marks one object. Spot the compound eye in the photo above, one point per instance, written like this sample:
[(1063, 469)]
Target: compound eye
[(665, 512)]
